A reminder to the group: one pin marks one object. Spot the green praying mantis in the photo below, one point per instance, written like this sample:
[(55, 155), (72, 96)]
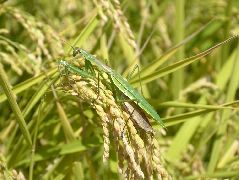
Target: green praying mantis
[(137, 106), (135, 112), (120, 83)]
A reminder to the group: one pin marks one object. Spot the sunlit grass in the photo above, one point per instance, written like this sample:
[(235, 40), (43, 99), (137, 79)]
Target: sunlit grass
[(49, 132)]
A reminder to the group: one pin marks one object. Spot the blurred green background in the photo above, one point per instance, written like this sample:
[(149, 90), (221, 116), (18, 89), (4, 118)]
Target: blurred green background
[(197, 99)]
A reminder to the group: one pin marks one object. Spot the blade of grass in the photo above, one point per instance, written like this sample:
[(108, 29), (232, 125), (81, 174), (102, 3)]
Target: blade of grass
[(32, 102), (18, 146), (48, 152), (31, 166), (39, 94), (13, 103), (223, 174), (217, 146), (229, 155), (227, 28), (128, 51), (68, 131), (70, 152), (179, 35), (225, 74), (81, 38), (78, 22), (197, 106), (169, 121), (178, 65), (147, 70), (183, 136), (28, 83)]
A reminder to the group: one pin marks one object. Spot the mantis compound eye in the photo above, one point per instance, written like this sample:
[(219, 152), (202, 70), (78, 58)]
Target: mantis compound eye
[(76, 51)]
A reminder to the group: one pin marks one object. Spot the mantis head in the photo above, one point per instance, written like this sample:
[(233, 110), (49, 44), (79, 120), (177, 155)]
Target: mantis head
[(77, 50)]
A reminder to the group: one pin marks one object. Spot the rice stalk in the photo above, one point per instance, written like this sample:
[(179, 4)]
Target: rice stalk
[(130, 141)]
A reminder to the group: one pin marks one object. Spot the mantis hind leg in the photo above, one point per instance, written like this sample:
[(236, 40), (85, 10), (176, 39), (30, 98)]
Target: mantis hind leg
[(89, 68)]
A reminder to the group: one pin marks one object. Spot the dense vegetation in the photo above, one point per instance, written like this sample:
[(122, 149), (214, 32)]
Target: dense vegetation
[(55, 124)]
